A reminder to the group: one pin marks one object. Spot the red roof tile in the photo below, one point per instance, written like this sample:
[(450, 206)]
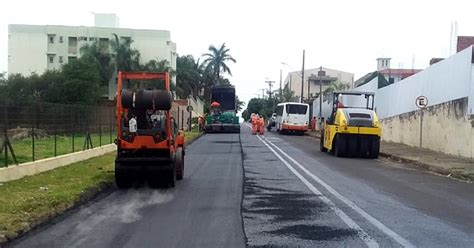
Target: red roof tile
[(401, 72), (464, 42)]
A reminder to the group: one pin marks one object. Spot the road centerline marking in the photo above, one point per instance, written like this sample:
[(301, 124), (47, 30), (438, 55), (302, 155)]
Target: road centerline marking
[(364, 236), (389, 232)]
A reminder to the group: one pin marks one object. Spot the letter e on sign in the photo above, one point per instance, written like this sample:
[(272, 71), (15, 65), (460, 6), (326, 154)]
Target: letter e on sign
[(421, 101)]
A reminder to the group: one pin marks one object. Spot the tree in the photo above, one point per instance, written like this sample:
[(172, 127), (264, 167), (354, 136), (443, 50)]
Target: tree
[(79, 83), (288, 95), (94, 54), (259, 106), (335, 86), (216, 60), (126, 58), (239, 104), (188, 76)]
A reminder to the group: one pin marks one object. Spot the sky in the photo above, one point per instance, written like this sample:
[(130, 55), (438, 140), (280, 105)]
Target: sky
[(261, 34)]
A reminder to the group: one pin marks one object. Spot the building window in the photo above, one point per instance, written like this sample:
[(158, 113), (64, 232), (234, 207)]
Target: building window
[(91, 39), (104, 45), (60, 59), (51, 59), (51, 39), (126, 40), (72, 46), (71, 58), (60, 39), (82, 38)]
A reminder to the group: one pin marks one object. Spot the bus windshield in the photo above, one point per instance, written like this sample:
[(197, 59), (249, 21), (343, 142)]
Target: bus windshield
[(296, 109)]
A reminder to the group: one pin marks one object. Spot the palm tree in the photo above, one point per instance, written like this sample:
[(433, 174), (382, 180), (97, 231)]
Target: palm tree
[(93, 53), (189, 76), (216, 60), (126, 58), (335, 86)]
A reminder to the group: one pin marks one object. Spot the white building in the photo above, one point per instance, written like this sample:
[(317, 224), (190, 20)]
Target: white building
[(106, 20), (34, 49), (293, 81)]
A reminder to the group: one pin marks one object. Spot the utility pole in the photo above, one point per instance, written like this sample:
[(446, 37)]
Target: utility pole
[(270, 91), (281, 93), (263, 93), (291, 79), (270, 87), (302, 80), (309, 87), (321, 74)]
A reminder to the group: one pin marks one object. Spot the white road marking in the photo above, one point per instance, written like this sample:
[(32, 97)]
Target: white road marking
[(399, 239), (364, 236)]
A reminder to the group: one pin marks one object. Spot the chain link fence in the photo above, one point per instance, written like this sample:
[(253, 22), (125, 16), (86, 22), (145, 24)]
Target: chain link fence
[(43, 130)]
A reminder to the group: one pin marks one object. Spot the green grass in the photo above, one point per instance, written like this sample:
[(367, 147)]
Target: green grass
[(44, 148), (188, 136), (23, 203)]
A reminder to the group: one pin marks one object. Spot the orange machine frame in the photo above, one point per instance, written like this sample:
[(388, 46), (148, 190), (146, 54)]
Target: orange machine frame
[(145, 142)]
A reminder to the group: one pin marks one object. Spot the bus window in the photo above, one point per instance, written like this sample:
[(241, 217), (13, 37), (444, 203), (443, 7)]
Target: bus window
[(296, 109), (279, 110)]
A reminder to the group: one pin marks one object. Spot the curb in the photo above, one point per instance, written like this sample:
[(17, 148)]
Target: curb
[(429, 167), (92, 193), (422, 165)]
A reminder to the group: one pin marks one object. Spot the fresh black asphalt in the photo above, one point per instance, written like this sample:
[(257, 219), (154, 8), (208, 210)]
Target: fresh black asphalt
[(237, 192)]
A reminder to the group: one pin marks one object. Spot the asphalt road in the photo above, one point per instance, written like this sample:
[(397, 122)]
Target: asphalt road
[(202, 211), (391, 204), (275, 191)]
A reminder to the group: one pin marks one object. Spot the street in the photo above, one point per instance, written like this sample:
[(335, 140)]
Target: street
[(276, 191)]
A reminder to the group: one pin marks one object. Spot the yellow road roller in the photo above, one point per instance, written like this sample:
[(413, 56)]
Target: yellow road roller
[(353, 129)]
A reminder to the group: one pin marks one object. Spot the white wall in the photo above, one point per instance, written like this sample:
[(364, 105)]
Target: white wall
[(445, 81), (21, 59)]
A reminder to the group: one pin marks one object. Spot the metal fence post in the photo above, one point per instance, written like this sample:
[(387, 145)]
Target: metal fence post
[(110, 124), (100, 127), (5, 135), (33, 132), (182, 119), (73, 115), (55, 115)]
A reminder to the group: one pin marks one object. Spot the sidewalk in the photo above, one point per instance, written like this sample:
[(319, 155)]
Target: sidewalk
[(452, 166)]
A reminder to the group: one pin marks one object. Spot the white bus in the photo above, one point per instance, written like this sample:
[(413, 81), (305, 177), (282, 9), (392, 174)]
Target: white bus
[(292, 117)]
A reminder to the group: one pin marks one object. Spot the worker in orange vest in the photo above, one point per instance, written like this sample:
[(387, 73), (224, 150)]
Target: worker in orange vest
[(261, 125), (313, 123), (200, 123), (254, 120)]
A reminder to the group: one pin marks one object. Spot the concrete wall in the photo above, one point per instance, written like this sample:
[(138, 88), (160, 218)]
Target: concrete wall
[(27, 169), (198, 106), (446, 128)]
